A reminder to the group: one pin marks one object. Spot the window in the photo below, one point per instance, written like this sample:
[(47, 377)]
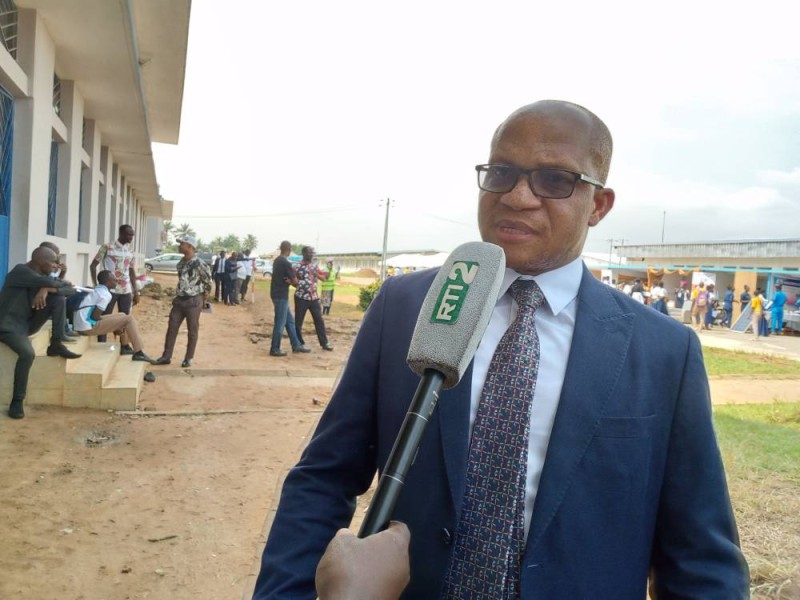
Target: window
[(52, 192), (8, 26)]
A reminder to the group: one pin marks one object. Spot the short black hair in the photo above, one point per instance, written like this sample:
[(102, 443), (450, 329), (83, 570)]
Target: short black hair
[(103, 276), (123, 228)]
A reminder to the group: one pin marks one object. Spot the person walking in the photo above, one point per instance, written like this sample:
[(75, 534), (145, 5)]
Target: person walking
[(194, 285), (30, 296), (118, 258), (306, 298), (327, 286), (282, 276)]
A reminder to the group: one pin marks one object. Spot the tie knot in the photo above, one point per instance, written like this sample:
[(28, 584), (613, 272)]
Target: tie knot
[(526, 292)]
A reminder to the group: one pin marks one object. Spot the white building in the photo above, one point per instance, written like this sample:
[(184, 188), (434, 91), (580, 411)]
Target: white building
[(85, 87)]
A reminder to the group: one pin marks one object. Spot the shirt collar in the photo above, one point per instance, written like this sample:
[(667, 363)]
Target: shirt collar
[(559, 286)]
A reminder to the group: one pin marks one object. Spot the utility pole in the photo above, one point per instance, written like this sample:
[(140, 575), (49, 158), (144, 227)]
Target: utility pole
[(663, 225), (385, 240), (610, 249)]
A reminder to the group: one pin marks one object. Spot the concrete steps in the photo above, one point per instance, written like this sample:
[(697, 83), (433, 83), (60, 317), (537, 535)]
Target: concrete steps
[(100, 379)]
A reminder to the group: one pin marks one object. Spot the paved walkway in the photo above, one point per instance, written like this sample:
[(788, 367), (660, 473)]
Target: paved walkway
[(787, 346)]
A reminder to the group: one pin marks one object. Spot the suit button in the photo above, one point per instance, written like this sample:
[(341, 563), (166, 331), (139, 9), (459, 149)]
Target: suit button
[(447, 538)]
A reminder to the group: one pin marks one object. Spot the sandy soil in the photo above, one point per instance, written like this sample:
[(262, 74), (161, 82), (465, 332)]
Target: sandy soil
[(170, 502)]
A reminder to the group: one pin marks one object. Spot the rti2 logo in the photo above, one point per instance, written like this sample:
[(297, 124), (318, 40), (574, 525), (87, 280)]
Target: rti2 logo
[(454, 292)]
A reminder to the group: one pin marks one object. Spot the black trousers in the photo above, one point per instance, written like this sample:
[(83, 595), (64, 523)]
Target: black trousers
[(314, 306), (21, 345), (218, 285), (230, 290), (125, 302)]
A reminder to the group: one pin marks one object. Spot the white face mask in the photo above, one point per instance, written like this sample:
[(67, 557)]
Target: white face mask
[(55, 274)]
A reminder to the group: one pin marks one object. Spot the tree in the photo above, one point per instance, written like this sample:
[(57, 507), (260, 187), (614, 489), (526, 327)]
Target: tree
[(217, 244), (185, 230), (232, 242), (250, 242), (298, 248), (169, 229)]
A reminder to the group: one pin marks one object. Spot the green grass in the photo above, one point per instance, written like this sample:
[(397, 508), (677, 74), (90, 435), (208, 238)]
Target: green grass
[(763, 437), (345, 298), (727, 362), (760, 446)]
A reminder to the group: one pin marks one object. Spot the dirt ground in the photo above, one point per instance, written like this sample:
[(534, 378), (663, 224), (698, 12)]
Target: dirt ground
[(170, 502)]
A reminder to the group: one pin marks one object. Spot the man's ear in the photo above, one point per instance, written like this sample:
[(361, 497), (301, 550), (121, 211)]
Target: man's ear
[(603, 203)]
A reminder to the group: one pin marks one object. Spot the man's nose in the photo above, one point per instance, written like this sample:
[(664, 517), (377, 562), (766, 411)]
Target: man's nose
[(521, 196)]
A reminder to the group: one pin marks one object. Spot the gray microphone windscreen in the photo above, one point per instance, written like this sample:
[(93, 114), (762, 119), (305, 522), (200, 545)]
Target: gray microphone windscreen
[(456, 311)]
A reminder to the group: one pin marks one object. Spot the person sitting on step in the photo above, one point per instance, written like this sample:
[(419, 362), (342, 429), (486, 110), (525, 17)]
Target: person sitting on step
[(88, 318), (28, 299)]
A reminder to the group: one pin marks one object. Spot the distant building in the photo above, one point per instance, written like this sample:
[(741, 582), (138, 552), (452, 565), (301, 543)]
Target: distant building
[(756, 263), (85, 87)]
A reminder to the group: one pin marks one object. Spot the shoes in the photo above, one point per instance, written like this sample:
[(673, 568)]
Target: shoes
[(58, 349), (125, 350), (15, 409), (139, 356), (301, 348), (149, 377), (187, 362), (161, 361), (328, 347), (277, 353)]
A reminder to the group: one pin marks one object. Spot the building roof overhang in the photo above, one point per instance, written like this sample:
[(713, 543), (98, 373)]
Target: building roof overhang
[(128, 60)]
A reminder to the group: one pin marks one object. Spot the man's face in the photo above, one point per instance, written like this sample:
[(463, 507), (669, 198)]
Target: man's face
[(111, 282), (126, 236), (49, 264), (540, 235), (308, 254)]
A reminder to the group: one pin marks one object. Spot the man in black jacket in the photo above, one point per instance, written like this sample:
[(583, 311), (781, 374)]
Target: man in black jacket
[(28, 299)]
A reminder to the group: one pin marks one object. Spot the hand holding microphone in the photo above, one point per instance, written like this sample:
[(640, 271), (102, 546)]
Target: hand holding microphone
[(450, 325)]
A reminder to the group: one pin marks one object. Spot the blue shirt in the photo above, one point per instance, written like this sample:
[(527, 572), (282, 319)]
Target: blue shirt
[(779, 299), (727, 300)]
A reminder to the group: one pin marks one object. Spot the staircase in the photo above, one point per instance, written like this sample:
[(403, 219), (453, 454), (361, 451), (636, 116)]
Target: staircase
[(100, 378)]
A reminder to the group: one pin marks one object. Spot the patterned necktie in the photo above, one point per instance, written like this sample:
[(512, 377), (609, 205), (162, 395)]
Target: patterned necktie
[(488, 544)]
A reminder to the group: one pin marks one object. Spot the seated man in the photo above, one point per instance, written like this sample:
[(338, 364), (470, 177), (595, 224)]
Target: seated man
[(89, 319), (28, 299)]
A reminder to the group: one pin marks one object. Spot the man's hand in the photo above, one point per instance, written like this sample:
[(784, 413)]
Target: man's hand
[(375, 568), (62, 270), (40, 299), (135, 297)]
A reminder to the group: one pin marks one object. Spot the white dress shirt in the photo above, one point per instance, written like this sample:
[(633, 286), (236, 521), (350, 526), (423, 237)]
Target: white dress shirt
[(555, 324)]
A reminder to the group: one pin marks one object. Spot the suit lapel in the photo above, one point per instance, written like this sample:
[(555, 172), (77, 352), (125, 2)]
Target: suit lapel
[(453, 411), (599, 346)]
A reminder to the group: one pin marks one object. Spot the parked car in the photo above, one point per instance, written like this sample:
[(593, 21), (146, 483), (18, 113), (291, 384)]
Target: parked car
[(163, 262), (264, 267), (207, 258)]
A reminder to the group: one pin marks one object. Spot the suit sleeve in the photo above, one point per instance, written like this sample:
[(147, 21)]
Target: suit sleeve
[(696, 551), (338, 465)]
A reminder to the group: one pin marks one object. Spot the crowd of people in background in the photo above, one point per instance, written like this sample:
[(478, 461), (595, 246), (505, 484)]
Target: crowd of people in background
[(709, 308)]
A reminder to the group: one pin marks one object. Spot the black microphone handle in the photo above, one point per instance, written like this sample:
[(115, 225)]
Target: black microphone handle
[(403, 453)]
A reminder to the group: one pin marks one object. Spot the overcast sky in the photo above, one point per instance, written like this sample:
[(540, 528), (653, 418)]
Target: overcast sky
[(299, 117)]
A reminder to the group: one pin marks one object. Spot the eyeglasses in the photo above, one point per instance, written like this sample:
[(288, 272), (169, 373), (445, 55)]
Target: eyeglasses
[(544, 183)]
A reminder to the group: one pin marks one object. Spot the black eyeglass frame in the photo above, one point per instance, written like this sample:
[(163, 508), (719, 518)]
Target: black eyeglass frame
[(528, 172)]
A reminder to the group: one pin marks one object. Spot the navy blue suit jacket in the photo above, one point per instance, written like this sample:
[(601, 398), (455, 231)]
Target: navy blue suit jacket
[(632, 487)]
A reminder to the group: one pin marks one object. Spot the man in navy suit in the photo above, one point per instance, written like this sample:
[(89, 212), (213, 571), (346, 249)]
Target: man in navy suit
[(625, 484)]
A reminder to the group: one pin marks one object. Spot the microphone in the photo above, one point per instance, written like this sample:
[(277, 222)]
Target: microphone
[(450, 325)]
